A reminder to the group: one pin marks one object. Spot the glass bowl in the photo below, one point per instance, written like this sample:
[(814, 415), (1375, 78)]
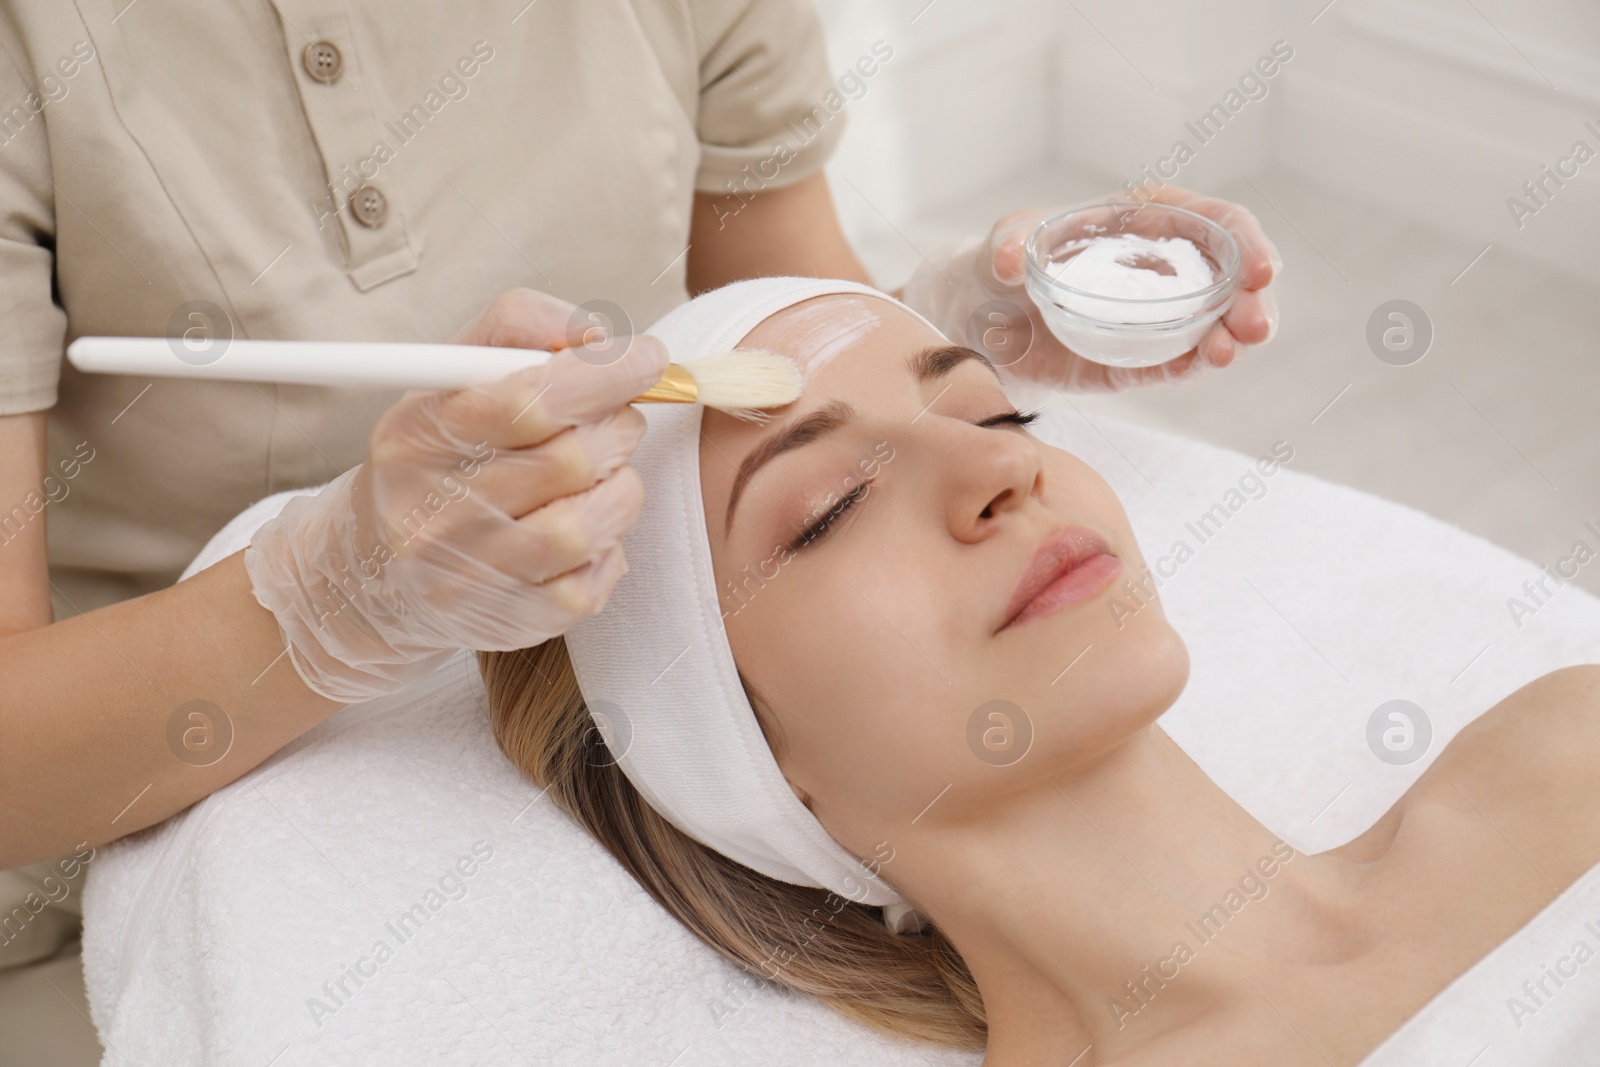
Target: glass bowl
[(1127, 331)]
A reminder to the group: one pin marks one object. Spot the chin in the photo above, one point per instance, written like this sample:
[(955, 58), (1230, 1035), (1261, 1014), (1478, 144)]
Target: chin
[(1146, 641), (1122, 685)]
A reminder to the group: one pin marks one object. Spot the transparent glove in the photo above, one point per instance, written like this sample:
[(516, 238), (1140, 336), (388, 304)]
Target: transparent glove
[(974, 292), (483, 518)]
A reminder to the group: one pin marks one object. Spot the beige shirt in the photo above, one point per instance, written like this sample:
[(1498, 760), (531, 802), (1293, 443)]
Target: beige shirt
[(159, 153)]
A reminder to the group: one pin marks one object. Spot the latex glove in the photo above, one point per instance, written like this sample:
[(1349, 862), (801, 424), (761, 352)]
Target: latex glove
[(484, 518), (951, 290)]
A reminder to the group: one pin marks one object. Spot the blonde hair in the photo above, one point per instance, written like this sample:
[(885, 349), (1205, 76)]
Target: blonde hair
[(910, 986)]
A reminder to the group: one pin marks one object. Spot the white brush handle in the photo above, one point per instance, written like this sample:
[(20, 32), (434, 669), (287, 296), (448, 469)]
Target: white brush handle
[(373, 364)]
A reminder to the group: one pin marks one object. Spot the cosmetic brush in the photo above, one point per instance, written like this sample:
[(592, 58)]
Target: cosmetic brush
[(742, 382)]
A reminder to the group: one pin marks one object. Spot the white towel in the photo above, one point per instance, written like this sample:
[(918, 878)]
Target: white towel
[(208, 936)]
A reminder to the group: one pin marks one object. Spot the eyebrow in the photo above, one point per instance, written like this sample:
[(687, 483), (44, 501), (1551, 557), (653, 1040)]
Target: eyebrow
[(926, 365)]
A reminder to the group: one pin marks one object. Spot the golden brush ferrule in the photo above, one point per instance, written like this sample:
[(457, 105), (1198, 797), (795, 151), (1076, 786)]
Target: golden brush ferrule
[(677, 384)]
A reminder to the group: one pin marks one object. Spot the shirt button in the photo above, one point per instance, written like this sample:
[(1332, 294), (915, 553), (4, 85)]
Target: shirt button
[(322, 61), (370, 206)]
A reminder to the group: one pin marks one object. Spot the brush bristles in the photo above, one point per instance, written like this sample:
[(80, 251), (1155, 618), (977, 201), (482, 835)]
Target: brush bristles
[(745, 381)]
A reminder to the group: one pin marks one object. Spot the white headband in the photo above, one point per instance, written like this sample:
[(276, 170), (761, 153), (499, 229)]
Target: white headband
[(655, 659)]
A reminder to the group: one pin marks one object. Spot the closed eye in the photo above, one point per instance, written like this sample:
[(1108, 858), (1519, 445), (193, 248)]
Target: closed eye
[(819, 529), (1021, 418)]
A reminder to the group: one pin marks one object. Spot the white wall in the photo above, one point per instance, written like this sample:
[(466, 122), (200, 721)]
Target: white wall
[(968, 98), (1438, 109), (1442, 109), (1136, 78)]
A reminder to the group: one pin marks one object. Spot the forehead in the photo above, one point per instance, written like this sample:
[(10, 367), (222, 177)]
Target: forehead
[(848, 346), (870, 331), (873, 335), (814, 332)]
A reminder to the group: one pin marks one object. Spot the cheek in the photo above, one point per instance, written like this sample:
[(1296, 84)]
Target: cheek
[(838, 652), (807, 650)]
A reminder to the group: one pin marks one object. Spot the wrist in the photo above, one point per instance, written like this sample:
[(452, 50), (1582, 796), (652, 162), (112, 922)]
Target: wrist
[(331, 613)]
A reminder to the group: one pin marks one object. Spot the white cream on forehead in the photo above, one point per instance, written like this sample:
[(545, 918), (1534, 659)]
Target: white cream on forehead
[(813, 334)]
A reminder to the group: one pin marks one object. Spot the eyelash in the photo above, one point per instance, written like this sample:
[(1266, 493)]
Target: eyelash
[(819, 529)]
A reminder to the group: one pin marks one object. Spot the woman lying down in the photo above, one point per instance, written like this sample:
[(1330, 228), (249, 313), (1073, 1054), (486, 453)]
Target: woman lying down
[(868, 728)]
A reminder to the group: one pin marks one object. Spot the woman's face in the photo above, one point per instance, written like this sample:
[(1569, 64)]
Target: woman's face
[(878, 643)]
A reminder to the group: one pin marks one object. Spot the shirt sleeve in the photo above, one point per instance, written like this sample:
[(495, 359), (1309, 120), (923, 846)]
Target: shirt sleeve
[(770, 111), (35, 324)]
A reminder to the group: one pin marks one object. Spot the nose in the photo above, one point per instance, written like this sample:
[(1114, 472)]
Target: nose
[(992, 472)]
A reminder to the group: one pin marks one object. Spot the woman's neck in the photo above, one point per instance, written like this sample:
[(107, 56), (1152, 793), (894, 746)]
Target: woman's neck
[(1121, 899)]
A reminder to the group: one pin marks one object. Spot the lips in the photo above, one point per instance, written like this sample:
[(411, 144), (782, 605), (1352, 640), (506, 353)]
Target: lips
[(1061, 555)]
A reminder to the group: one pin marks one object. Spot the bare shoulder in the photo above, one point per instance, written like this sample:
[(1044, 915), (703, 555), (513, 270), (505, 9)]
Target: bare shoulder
[(1536, 747), (1528, 766), (1553, 710)]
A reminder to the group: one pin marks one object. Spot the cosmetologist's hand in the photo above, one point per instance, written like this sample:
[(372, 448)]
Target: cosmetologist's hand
[(952, 290), (483, 518)]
